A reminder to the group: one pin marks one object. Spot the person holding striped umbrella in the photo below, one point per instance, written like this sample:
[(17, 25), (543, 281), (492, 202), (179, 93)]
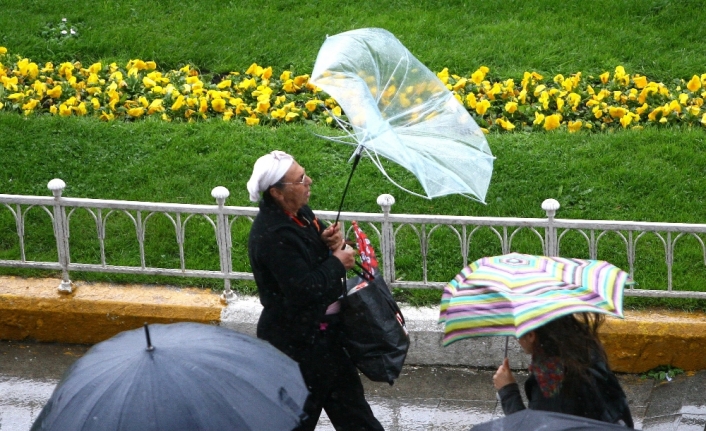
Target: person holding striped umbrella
[(554, 307), (569, 373)]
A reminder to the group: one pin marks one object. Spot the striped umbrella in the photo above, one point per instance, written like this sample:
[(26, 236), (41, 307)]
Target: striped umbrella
[(516, 293)]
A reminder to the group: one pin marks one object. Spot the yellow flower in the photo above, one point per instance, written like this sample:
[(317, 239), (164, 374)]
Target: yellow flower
[(148, 82), (627, 119), (178, 103), (538, 118), (95, 68), (505, 124), (652, 116), (640, 81), (263, 106), (559, 104), (254, 70), (53, 109), (703, 120), (694, 84), (551, 122), (617, 112), (574, 100), (96, 103), (511, 107), (247, 83), (278, 114), (203, 105), (136, 112), (482, 106), (3, 50), (9, 83), (605, 77), (228, 115), (289, 86), (312, 104), (291, 116), (64, 110), (478, 76), (81, 109), (143, 101), (444, 75), (471, 100), (30, 105), (285, 75), (218, 105), (694, 110), (575, 126), (336, 111), (252, 121), (155, 106), (226, 83), (675, 106), (301, 80), (642, 109), (107, 116), (267, 73)]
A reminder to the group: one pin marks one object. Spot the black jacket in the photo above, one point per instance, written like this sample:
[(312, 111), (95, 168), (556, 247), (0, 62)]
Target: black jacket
[(602, 399), (296, 276)]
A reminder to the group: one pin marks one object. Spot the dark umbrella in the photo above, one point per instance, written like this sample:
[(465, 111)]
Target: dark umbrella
[(529, 420), (195, 377)]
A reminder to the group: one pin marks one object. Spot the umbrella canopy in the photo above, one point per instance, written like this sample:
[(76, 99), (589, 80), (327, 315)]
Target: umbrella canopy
[(400, 110), (196, 377), (531, 420), (516, 293)]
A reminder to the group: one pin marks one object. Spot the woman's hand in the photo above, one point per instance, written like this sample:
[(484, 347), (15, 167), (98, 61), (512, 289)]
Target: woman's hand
[(333, 237), (347, 256), (503, 376)]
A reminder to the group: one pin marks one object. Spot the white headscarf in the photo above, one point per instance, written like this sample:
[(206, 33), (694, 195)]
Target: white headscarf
[(268, 169)]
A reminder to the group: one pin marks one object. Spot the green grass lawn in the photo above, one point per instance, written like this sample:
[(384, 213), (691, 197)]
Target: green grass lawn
[(649, 175)]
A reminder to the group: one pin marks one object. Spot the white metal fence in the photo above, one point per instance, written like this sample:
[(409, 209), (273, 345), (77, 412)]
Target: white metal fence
[(549, 232)]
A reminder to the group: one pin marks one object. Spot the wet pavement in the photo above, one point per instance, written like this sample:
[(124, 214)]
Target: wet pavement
[(423, 398)]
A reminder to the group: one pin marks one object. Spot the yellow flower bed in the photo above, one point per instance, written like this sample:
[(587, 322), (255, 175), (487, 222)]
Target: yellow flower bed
[(258, 96)]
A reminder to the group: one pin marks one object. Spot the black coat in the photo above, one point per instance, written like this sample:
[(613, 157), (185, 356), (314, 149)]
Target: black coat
[(296, 275), (601, 398)]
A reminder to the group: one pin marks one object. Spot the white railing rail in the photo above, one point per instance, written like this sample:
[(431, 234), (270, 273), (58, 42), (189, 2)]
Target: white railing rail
[(548, 231)]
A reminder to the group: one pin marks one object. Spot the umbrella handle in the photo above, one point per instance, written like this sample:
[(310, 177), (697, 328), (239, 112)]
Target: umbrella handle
[(345, 190)]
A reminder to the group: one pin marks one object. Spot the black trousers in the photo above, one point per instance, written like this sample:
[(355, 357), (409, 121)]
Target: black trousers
[(334, 386)]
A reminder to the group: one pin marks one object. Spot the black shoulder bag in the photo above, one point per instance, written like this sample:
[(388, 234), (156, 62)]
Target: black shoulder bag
[(376, 338)]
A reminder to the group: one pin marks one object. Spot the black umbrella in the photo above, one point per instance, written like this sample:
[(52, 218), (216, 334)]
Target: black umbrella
[(529, 420), (195, 377)]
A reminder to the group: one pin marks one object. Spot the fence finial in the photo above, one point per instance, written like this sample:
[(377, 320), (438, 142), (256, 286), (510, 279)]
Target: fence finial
[(57, 185), (220, 194), (550, 206)]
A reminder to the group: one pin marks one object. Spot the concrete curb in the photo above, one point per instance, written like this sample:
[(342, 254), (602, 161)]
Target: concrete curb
[(34, 309)]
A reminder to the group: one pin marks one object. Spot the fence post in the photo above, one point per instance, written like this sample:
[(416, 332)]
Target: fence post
[(550, 236), (387, 242), (220, 193), (61, 233)]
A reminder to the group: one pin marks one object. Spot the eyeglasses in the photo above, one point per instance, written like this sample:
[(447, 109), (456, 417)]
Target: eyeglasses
[(305, 179)]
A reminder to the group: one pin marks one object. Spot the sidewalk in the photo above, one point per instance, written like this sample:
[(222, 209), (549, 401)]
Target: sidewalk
[(33, 309), (428, 398)]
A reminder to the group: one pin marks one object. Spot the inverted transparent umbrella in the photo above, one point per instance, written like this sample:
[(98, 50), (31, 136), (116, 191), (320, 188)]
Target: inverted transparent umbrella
[(194, 377), (400, 110)]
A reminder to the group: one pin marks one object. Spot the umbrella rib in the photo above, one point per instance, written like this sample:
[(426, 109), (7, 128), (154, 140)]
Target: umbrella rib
[(378, 164)]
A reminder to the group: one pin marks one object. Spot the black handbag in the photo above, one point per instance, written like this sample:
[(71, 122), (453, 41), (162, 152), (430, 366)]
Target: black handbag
[(375, 336)]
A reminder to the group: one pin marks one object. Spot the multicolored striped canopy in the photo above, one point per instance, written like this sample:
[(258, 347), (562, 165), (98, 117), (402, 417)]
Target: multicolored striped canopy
[(516, 293)]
